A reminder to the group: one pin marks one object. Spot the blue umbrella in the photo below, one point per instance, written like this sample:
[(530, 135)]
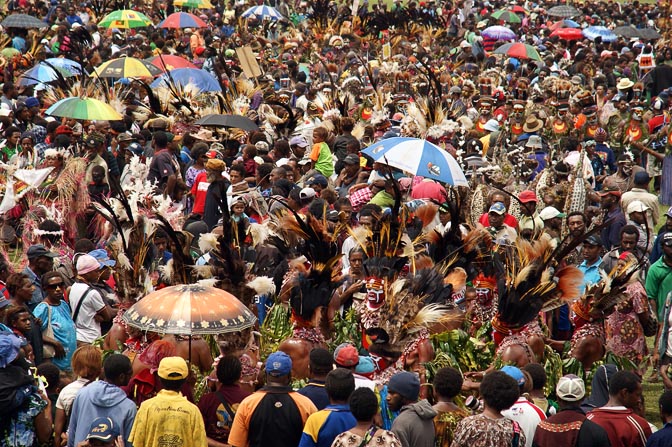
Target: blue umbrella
[(263, 11), (592, 32), (183, 76), (67, 64), (41, 74), (419, 157)]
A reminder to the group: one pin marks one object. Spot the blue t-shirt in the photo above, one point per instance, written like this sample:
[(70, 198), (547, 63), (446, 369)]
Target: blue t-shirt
[(316, 392), (63, 327), (661, 438), (322, 427)]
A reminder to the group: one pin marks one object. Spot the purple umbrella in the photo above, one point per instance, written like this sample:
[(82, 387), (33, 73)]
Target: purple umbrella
[(498, 32)]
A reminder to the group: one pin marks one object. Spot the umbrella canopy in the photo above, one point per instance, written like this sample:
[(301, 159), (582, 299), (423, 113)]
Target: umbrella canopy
[(183, 76), (170, 62), (126, 67), (563, 11), (263, 11), (125, 18), (648, 34), (519, 50), (506, 15), (565, 23), (568, 33), (419, 157), (593, 32), (626, 31), (67, 64), (498, 32), (234, 121), (41, 74), (22, 21), (519, 9), (202, 4), (190, 309), (182, 20), (9, 52), (83, 109)]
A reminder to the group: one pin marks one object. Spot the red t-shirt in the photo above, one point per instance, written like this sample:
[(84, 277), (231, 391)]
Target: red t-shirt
[(508, 220), (198, 191), (216, 417)]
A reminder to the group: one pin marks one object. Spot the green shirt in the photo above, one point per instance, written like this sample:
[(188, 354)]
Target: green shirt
[(383, 199), (324, 162), (659, 284)]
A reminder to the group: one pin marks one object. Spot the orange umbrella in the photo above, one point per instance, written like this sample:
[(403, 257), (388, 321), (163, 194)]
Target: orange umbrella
[(190, 309)]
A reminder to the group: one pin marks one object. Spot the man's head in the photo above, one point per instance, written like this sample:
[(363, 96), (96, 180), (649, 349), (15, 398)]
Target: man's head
[(496, 214), (576, 223), (318, 183), (637, 211), (229, 370), (609, 197), (667, 246), (98, 175), (118, 369), (625, 388), (624, 165), (629, 236), (102, 433), (665, 406), (552, 217), (537, 374), (570, 390), (403, 389), (499, 390), (447, 383), (592, 248), (173, 372), (346, 356), (160, 140), (278, 368), (40, 259), (340, 384), (641, 180), (320, 362), (515, 373), (529, 201)]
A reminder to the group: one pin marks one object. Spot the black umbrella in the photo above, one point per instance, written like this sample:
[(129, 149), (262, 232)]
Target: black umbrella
[(626, 31), (563, 11), (235, 121), (22, 21), (648, 34)]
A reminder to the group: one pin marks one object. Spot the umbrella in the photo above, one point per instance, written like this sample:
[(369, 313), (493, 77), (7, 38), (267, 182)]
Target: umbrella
[(126, 67), (626, 31), (234, 121), (183, 76), (22, 21), (419, 157), (9, 52), (568, 33), (498, 32), (263, 11), (506, 15), (563, 11), (593, 32), (182, 20), (190, 309), (649, 34), (125, 18), (170, 62), (83, 109), (67, 64), (202, 4), (565, 23), (41, 74), (519, 9), (519, 51)]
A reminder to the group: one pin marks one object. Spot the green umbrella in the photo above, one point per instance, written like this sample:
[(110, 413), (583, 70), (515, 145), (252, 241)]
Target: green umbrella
[(506, 15), (9, 52), (519, 51), (83, 109), (125, 18)]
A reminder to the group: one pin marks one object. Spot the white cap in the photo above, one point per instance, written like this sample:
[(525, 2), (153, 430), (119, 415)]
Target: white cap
[(570, 388), (550, 212), (637, 206), (307, 193)]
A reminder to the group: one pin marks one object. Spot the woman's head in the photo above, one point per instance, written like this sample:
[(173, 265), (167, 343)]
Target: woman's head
[(447, 383), (499, 390), (19, 286), (87, 362)]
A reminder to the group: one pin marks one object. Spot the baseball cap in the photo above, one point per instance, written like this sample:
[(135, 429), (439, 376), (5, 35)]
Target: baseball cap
[(102, 429), (87, 263), (102, 257), (593, 239), (550, 212), (668, 213), (570, 388), (346, 355), (304, 161), (173, 368), (135, 148), (298, 141), (637, 206), (278, 364), (667, 239), (527, 196), (515, 373), (38, 250), (32, 102), (610, 190), (497, 207), (351, 159), (318, 180), (307, 193)]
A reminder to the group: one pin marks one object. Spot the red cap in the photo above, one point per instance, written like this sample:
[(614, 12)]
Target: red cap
[(346, 355), (527, 196), (63, 130)]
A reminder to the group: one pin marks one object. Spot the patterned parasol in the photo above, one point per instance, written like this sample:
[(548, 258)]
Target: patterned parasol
[(190, 309)]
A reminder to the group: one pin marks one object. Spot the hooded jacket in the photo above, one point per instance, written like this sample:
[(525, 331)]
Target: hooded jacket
[(100, 399), (415, 425)]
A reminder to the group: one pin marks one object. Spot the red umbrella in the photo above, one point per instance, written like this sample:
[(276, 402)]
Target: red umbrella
[(519, 9), (182, 20), (169, 62), (568, 33)]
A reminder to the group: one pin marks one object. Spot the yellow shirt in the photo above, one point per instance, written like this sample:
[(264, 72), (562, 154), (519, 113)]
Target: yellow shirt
[(168, 419)]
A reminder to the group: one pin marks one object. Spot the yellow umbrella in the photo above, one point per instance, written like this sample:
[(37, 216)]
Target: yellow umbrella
[(126, 67), (204, 4)]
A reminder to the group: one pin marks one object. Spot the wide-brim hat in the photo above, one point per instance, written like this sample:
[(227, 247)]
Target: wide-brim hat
[(532, 124), (624, 83)]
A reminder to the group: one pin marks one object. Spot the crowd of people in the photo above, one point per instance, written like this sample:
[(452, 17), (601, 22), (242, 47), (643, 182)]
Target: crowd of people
[(551, 268)]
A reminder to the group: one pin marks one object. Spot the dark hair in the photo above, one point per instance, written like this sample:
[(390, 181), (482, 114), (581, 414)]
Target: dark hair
[(47, 276), (14, 282), (239, 169), (321, 361), (448, 382), (51, 226), (665, 402), (160, 139), (317, 208), (172, 385), (13, 313), (340, 384), (577, 213), (363, 404), (264, 170), (282, 148), (623, 380), (629, 229), (199, 150), (499, 390), (51, 373), (538, 375), (229, 370), (115, 365)]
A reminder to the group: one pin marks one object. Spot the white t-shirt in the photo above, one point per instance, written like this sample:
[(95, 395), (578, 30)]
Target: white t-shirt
[(88, 329), (67, 395), (528, 417)]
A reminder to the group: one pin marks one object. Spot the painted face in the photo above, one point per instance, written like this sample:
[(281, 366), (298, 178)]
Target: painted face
[(375, 292)]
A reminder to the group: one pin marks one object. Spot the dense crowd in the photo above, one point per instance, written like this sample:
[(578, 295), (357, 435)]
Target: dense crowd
[(437, 224)]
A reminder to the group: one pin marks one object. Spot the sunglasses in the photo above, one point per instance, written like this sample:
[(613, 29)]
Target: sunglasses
[(54, 286)]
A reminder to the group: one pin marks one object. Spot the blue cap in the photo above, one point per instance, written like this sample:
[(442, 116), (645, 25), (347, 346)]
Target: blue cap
[(10, 345), (278, 364), (102, 257), (102, 429), (32, 102), (366, 365), (515, 373), (498, 207), (318, 179), (406, 384)]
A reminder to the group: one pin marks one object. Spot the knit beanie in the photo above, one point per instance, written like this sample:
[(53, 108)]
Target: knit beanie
[(406, 384)]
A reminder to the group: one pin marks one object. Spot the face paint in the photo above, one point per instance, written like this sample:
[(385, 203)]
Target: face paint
[(375, 292)]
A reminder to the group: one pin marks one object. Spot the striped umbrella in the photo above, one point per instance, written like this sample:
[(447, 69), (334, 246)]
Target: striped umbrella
[(183, 76), (263, 11), (498, 32), (182, 20), (506, 15), (593, 32), (83, 109), (419, 157), (563, 11), (125, 18), (126, 67), (41, 74), (519, 51), (167, 62), (67, 64), (201, 4), (22, 21)]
